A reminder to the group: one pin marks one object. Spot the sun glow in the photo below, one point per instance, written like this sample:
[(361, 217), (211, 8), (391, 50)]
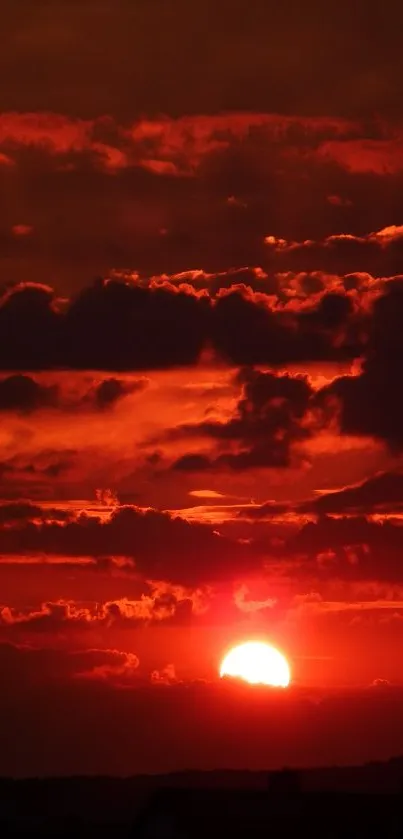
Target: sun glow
[(258, 664)]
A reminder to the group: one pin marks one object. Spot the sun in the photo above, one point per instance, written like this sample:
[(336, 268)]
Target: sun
[(257, 663)]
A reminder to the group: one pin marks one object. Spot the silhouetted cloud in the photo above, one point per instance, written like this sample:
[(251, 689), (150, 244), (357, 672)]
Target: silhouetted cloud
[(381, 494), (161, 544), (20, 511), (379, 252), (33, 667), (160, 602), (371, 404), (350, 547), (128, 323), (108, 392), (22, 393), (268, 420)]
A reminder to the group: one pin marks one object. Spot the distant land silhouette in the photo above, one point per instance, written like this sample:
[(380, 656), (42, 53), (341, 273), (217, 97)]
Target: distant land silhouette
[(370, 793)]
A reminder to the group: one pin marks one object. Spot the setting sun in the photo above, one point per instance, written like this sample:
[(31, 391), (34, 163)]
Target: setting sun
[(257, 663)]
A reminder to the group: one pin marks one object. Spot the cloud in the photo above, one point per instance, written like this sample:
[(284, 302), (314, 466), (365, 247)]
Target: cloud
[(166, 146), (206, 493), (22, 393), (352, 534), (246, 331), (20, 511), (381, 156), (32, 667), (268, 422), (349, 547), (161, 602), (314, 605), (24, 470), (179, 146), (58, 135), (110, 391), (246, 317), (379, 252), (119, 668), (161, 544), (371, 403), (154, 195), (166, 676), (247, 604), (381, 493), (109, 326)]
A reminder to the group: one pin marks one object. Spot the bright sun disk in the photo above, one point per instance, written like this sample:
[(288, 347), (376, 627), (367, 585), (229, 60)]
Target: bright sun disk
[(257, 663)]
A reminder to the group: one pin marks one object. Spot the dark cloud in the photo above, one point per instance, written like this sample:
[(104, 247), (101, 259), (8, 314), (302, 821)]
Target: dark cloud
[(32, 667), (193, 463), (158, 603), (351, 534), (267, 510), (382, 493), (125, 325), (19, 511), (380, 253), (109, 326), (22, 393), (245, 331), (268, 421), (45, 465), (372, 403), (162, 545), (350, 547), (108, 392), (145, 328)]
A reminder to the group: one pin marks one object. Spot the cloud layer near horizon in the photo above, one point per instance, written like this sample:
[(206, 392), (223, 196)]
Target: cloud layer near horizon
[(302, 728)]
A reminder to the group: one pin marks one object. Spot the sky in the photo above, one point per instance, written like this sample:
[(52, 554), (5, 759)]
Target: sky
[(201, 357)]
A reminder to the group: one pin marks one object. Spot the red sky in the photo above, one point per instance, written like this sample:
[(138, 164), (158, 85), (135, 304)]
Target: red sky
[(201, 356)]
